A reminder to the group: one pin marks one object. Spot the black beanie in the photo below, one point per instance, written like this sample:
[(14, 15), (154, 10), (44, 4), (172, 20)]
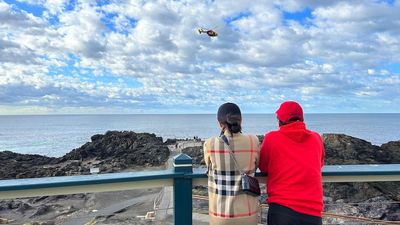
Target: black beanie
[(229, 113)]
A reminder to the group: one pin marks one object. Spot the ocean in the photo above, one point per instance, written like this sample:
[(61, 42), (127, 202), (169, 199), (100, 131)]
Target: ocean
[(55, 135)]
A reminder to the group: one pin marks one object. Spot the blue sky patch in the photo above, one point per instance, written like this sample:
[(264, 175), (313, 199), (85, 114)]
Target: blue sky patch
[(393, 68), (389, 2), (36, 10), (103, 2), (54, 20), (301, 16), (108, 20), (131, 82), (229, 20), (110, 78), (68, 70), (71, 5), (87, 74)]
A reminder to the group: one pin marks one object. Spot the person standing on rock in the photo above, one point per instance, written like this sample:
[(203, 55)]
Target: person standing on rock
[(293, 157), (228, 204)]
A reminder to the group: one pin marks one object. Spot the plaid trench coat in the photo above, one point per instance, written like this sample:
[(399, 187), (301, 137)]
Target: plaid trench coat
[(227, 203)]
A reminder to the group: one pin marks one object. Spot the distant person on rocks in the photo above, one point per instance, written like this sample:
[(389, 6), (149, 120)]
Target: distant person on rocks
[(293, 157), (227, 203)]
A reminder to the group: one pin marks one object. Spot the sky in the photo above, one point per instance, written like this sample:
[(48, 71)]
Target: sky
[(119, 57)]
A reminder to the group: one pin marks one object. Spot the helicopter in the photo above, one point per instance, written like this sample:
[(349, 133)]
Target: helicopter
[(209, 32)]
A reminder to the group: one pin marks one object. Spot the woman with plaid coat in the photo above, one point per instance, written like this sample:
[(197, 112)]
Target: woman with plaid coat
[(228, 204)]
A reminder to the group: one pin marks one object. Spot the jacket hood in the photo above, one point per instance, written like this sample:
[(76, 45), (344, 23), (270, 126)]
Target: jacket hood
[(296, 131)]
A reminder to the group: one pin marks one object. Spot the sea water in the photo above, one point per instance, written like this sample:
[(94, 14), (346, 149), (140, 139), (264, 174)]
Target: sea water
[(55, 135)]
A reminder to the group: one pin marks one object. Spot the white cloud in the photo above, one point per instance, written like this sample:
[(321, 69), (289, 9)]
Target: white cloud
[(14, 19), (371, 71), (81, 61)]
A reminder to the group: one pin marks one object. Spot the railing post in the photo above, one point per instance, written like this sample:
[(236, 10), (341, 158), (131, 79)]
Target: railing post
[(183, 191)]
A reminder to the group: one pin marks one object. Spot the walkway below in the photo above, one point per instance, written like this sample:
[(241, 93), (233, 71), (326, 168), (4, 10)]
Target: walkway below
[(165, 203), (157, 206)]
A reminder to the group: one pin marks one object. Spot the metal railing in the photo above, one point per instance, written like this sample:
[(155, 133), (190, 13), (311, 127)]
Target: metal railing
[(182, 177)]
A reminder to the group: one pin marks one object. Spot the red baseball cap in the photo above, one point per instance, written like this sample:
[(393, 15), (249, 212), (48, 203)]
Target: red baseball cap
[(288, 110)]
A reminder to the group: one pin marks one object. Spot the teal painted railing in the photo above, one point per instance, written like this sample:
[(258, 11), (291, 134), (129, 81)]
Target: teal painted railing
[(181, 177)]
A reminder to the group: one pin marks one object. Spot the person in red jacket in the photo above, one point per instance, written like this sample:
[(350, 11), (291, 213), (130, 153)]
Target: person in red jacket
[(293, 157)]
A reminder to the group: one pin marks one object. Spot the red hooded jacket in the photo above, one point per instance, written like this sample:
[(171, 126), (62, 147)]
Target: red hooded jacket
[(293, 157)]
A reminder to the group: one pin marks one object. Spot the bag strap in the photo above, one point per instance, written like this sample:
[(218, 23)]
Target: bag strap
[(225, 140)]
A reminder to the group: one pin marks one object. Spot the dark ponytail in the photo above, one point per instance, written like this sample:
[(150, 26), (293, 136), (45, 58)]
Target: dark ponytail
[(234, 128), (230, 115)]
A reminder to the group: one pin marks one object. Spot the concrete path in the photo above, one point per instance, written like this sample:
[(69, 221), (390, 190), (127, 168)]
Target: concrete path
[(108, 211), (164, 209)]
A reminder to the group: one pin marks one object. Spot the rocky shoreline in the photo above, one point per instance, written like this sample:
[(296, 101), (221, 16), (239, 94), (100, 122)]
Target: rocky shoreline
[(111, 152), (117, 151)]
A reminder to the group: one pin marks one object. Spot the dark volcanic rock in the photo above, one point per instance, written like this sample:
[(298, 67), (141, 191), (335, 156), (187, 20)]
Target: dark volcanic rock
[(43, 209), (393, 148), (122, 149), (111, 152), (196, 153), (351, 192), (13, 164), (170, 141), (12, 204), (341, 149), (378, 208)]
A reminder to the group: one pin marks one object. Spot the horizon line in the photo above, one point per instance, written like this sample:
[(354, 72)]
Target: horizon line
[(105, 114)]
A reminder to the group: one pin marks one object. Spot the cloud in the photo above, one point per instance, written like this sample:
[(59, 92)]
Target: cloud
[(83, 55), (11, 18)]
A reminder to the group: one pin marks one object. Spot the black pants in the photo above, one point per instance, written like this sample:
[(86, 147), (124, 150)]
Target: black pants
[(281, 215)]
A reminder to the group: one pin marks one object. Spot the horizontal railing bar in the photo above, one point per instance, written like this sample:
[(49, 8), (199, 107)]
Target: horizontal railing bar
[(326, 179), (335, 170), (93, 188), (332, 173), (360, 178), (361, 173), (367, 169), (147, 179), (65, 181)]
